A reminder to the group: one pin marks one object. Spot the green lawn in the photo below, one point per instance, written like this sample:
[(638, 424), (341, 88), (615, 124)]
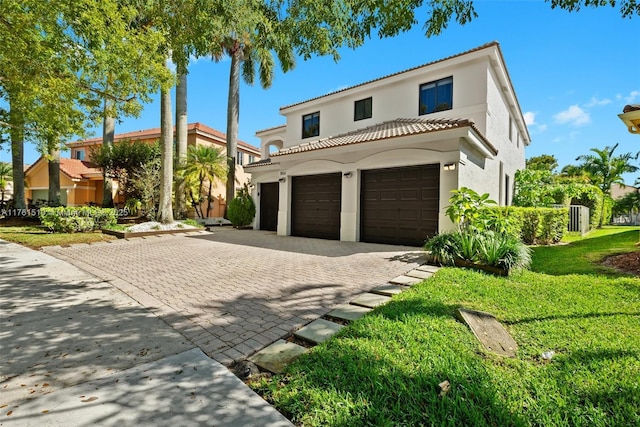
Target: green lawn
[(36, 237), (384, 369)]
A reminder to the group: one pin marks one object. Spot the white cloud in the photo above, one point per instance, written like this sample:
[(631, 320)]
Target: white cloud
[(529, 118), (633, 95), (573, 115), (595, 102), (631, 98)]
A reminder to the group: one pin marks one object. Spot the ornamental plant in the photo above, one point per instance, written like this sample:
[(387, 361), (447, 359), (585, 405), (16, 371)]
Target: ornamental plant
[(241, 209)]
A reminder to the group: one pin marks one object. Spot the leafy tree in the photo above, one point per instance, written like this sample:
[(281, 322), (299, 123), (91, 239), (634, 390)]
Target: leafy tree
[(68, 57), (628, 8), (533, 188), (146, 182), (546, 162), (122, 161), (605, 169), (204, 165), (5, 176)]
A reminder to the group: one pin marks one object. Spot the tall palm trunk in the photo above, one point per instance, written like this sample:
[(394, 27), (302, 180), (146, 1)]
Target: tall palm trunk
[(108, 133), (17, 158), (181, 140), (54, 174), (233, 117), (165, 214)]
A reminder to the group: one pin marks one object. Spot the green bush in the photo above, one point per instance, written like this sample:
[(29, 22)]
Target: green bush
[(241, 209), (478, 247), (77, 219), (539, 226)]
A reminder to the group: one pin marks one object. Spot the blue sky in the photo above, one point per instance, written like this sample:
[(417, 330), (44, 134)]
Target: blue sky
[(572, 72)]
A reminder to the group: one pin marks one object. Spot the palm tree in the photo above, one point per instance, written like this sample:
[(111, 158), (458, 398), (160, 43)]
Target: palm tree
[(181, 138), (248, 50), (6, 172), (165, 209), (605, 169), (204, 164)]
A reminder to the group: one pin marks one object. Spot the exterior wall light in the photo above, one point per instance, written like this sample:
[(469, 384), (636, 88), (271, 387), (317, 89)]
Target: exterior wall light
[(450, 166), (282, 180), (631, 118), (347, 174)]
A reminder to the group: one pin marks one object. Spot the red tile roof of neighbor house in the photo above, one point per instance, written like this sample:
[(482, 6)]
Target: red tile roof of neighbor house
[(155, 133), (78, 169), (73, 168), (387, 130)]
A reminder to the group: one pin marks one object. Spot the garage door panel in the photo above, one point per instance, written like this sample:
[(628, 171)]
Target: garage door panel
[(410, 194), (406, 209), (316, 205)]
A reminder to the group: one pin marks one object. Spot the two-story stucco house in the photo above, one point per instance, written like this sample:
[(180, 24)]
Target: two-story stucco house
[(376, 162)]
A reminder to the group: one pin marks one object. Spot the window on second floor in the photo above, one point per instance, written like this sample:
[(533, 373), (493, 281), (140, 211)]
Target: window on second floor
[(436, 96), (363, 109), (240, 157), (311, 125), (252, 158), (80, 154)]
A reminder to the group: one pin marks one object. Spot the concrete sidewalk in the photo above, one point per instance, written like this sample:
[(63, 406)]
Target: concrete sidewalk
[(76, 351)]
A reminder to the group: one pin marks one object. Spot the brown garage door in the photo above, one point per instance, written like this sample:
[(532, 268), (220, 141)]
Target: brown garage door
[(269, 199), (400, 205), (315, 206)]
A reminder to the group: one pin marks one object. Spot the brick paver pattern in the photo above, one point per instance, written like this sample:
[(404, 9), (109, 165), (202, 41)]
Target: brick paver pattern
[(232, 292)]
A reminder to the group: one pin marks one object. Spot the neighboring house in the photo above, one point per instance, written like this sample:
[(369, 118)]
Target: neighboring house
[(80, 182), (198, 134), (376, 162)]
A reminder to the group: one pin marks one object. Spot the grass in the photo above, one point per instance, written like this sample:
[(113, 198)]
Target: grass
[(35, 236), (582, 255), (384, 369)]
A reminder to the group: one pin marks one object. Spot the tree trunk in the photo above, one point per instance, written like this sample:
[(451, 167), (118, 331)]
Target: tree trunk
[(17, 159), (209, 198), (181, 140), (233, 117), (54, 174), (165, 214), (108, 133)]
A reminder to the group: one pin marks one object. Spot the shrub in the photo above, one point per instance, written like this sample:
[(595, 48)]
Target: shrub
[(540, 226), (77, 219), (478, 247), (242, 209)]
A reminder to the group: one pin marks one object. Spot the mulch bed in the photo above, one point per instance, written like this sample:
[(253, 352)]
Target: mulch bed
[(628, 263)]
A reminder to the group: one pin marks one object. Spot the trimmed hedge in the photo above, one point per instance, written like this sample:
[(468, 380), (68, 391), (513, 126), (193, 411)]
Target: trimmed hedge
[(536, 226), (77, 219), (241, 209)]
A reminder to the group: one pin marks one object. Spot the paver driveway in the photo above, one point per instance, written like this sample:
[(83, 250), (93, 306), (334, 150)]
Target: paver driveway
[(232, 292)]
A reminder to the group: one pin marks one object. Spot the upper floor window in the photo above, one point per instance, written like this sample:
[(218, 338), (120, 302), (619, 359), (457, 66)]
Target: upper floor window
[(80, 154), (311, 125), (363, 109), (436, 96), (240, 158), (252, 158)]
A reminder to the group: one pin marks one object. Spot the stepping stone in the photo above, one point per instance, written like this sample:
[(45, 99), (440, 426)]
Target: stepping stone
[(370, 300), (489, 332), (318, 331), (405, 280), (419, 274), (429, 268), (277, 356), (349, 312), (389, 290)]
